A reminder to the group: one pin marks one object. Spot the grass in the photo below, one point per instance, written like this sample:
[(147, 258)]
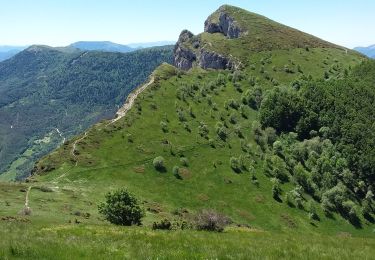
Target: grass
[(98, 242)]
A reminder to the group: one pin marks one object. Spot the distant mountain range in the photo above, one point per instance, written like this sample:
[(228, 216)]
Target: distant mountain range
[(368, 51), (7, 52), (101, 46)]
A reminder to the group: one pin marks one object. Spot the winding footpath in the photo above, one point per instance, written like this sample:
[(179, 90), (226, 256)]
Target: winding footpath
[(74, 148), (130, 101)]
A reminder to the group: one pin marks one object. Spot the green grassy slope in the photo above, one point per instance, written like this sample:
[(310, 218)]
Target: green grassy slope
[(177, 117)]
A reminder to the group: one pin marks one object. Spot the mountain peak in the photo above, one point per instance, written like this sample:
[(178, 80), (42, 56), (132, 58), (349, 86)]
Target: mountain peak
[(231, 33), (223, 21)]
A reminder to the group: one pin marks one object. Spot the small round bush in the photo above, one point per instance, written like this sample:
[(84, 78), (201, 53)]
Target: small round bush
[(184, 161), (211, 220), (158, 163), (121, 208), (235, 164)]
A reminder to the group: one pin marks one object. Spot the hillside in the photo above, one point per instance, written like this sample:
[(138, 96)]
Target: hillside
[(49, 94), (7, 52), (258, 121), (101, 46), (368, 51)]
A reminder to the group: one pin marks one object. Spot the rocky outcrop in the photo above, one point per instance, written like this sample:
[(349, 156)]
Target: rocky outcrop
[(184, 57), (188, 51), (212, 60), (225, 25)]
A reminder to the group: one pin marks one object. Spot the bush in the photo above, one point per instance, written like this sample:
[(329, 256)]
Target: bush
[(46, 189), (158, 163), (176, 172), (221, 131), (165, 224), (164, 126), (235, 164), (121, 208), (211, 220), (276, 189), (184, 161)]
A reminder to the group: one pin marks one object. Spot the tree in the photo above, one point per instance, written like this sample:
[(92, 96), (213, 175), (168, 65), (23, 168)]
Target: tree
[(235, 164), (121, 208), (313, 215), (276, 189), (164, 126), (221, 131), (158, 163)]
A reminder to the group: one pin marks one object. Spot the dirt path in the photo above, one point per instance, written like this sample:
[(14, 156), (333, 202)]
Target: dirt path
[(130, 101), (27, 197), (74, 147)]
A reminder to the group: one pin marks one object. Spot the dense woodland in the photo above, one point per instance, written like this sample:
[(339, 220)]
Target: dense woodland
[(326, 140)]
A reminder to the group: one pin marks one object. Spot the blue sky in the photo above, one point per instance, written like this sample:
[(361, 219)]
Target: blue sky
[(60, 22)]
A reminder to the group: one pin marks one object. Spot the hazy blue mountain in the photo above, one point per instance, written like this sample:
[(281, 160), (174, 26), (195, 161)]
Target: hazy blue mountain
[(101, 46), (150, 44), (7, 52), (368, 51)]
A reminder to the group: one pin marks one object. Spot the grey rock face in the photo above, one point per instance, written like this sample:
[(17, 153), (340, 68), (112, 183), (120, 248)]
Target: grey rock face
[(211, 27), (189, 52), (227, 26), (212, 60), (183, 56)]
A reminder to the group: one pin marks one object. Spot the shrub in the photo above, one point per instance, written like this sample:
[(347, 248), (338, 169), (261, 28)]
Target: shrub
[(165, 224), (187, 127), (121, 208), (164, 126), (184, 161), (287, 69), (181, 116), (233, 104), (221, 131), (46, 189), (313, 215), (203, 130), (211, 220), (271, 135), (233, 119), (235, 164), (158, 163), (238, 131), (176, 172), (276, 189), (237, 76), (211, 142), (130, 138)]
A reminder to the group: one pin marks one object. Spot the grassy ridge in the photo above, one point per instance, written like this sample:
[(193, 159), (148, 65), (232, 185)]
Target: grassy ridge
[(106, 154)]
